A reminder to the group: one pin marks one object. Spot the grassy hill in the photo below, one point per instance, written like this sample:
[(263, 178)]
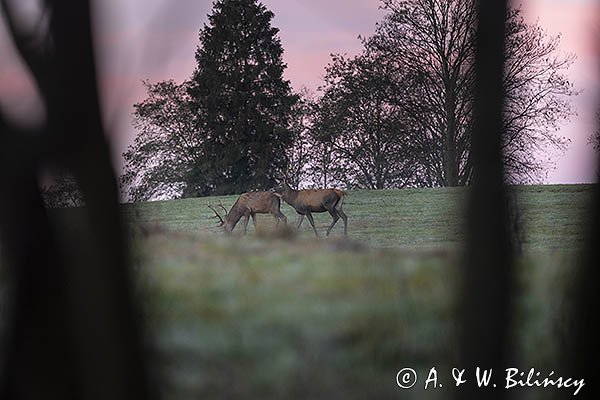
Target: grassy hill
[(271, 315), (411, 218)]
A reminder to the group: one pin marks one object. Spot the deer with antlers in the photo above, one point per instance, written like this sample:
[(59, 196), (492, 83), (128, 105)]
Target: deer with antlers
[(308, 201), (248, 205)]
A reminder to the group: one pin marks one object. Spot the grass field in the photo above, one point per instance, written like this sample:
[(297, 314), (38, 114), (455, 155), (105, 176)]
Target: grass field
[(294, 316), (409, 218)]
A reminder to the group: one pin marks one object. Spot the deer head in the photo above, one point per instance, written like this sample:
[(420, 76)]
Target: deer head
[(246, 206), (230, 219), (285, 191)]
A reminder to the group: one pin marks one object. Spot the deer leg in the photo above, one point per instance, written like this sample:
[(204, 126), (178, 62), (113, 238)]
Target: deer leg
[(284, 218), (253, 220), (345, 219), (300, 219), (341, 213), (280, 217), (246, 219), (334, 215), (312, 223)]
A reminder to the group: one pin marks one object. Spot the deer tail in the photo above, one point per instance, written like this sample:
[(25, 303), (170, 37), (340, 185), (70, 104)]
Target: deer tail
[(341, 194)]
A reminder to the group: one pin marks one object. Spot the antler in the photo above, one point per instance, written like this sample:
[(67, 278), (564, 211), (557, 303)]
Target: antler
[(217, 215), (223, 207)]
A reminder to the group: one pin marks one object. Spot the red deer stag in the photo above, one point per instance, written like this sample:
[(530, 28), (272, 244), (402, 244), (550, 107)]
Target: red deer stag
[(248, 205), (308, 201)]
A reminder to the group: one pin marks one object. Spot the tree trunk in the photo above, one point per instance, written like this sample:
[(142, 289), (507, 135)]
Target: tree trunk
[(449, 149)]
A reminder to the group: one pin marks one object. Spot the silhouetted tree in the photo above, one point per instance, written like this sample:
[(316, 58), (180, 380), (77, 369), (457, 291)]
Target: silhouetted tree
[(161, 161), (361, 119), (594, 139), (238, 87), (536, 97), (432, 41), (325, 168), (299, 154), (63, 191)]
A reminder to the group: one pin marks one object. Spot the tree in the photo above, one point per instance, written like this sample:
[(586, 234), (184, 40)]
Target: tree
[(68, 309), (299, 154), (594, 139), (245, 103), (536, 100), (325, 166), (62, 192), (312, 162), (432, 43), (360, 118), (162, 161)]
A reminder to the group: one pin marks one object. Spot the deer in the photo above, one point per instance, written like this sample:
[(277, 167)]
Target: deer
[(248, 205), (308, 201)]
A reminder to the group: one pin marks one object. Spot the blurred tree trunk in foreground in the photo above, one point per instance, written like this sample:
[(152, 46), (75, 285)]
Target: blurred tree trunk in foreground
[(488, 273), (73, 330)]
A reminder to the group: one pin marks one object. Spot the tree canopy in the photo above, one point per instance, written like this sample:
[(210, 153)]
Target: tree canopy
[(423, 53), (226, 129), (360, 117), (245, 102), (161, 162), (398, 114)]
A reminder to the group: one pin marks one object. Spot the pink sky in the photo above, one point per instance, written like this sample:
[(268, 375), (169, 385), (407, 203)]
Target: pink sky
[(156, 40), (578, 22)]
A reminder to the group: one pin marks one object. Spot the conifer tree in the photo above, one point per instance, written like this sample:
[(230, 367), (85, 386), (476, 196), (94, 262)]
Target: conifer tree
[(245, 102)]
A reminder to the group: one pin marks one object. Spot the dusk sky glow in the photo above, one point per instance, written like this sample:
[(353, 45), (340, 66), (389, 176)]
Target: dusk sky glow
[(156, 40)]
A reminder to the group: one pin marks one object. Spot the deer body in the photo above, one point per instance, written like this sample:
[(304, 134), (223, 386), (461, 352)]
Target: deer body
[(248, 205), (308, 201)]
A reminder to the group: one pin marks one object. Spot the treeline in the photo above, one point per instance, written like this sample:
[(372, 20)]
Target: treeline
[(399, 114)]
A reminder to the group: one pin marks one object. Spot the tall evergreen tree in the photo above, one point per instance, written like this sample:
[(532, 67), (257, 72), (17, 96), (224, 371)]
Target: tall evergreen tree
[(239, 88)]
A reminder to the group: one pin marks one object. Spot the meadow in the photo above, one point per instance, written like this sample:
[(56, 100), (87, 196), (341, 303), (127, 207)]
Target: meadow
[(285, 315)]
